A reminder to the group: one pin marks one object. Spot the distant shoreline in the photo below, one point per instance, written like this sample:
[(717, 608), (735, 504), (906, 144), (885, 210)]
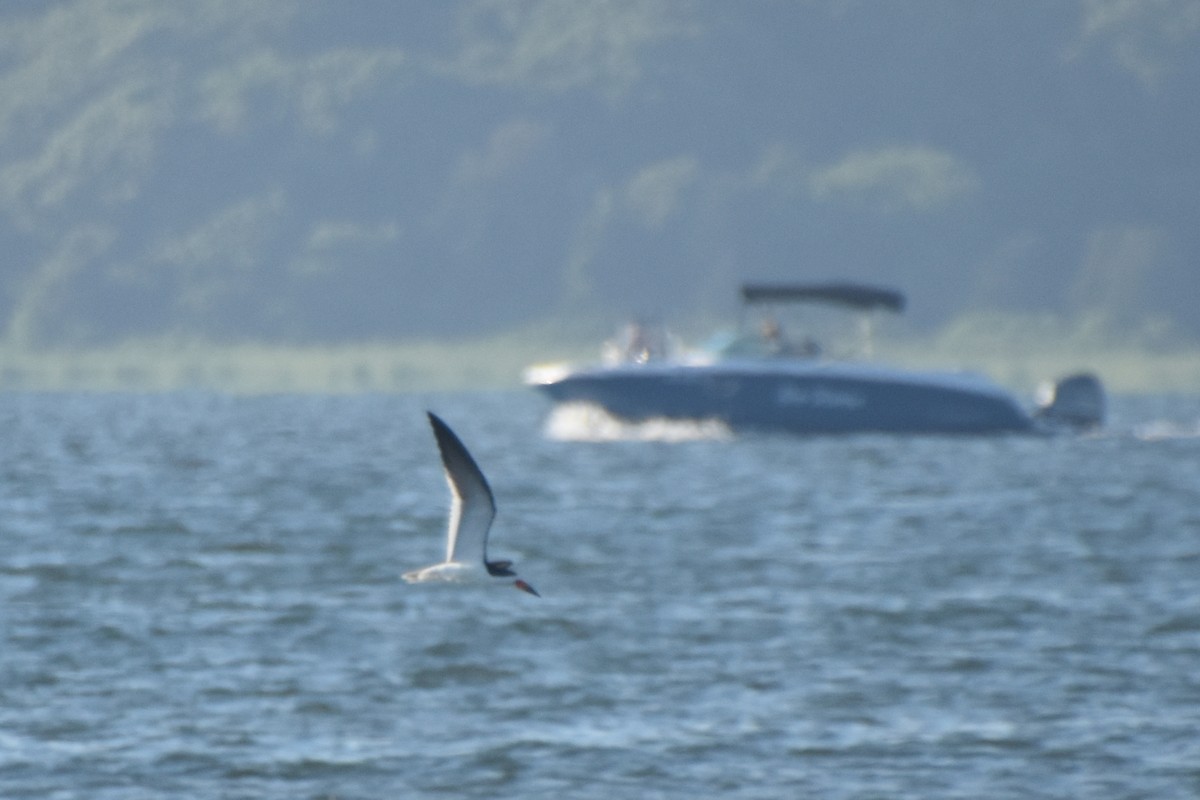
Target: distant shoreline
[(258, 368), (262, 368)]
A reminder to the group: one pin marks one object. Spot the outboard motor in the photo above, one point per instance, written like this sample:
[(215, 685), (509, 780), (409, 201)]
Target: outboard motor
[(1076, 402)]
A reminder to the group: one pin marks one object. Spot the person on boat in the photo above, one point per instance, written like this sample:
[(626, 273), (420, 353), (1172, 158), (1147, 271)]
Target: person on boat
[(779, 345), (772, 335), (642, 343)]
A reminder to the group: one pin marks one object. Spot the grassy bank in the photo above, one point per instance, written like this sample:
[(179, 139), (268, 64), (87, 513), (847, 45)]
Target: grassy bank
[(263, 368), (1122, 371), (1018, 353), (1022, 351)]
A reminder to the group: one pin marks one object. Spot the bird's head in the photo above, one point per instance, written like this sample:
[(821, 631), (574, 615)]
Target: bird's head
[(525, 587)]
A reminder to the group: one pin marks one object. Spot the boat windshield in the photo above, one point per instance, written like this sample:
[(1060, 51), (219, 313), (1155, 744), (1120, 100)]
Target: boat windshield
[(807, 321), (767, 339)]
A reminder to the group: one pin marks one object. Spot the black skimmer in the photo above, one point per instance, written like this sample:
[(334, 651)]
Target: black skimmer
[(472, 509)]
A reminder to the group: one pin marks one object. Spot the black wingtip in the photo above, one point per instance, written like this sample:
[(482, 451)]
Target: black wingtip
[(441, 430), (454, 452)]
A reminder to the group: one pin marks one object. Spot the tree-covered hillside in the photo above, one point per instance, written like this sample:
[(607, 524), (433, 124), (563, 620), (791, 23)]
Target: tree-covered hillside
[(318, 171)]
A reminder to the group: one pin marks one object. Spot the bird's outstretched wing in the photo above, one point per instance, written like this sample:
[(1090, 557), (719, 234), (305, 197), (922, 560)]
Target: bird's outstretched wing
[(472, 506)]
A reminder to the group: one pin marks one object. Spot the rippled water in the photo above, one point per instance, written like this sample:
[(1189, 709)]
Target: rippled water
[(200, 597)]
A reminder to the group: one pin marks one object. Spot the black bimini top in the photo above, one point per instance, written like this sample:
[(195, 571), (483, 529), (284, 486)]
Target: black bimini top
[(853, 295)]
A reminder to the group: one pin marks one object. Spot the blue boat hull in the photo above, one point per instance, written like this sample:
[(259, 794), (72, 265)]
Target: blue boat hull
[(798, 397)]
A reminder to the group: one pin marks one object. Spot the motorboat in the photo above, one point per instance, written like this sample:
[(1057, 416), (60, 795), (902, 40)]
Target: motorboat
[(758, 378)]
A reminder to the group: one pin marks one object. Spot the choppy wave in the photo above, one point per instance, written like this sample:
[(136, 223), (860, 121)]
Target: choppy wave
[(202, 599)]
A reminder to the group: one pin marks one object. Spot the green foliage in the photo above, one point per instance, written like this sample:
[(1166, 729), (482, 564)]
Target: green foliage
[(1020, 351)]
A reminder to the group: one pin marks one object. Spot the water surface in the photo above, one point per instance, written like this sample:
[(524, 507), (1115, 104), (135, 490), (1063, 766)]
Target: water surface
[(200, 597)]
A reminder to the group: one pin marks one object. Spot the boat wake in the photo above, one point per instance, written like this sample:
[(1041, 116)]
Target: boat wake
[(585, 422), (1162, 430)]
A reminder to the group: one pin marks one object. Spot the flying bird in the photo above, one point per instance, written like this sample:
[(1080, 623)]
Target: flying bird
[(472, 509)]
